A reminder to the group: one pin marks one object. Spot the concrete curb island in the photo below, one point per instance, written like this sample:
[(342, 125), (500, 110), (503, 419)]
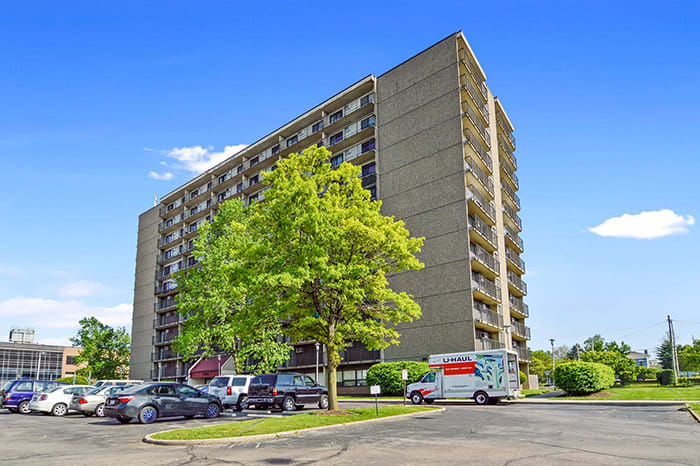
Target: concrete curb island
[(693, 414), (149, 438)]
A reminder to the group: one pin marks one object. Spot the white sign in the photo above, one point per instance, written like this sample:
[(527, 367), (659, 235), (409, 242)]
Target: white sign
[(404, 374), (375, 390)]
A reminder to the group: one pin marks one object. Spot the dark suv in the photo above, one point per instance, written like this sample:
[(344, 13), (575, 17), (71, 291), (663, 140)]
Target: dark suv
[(16, 394), (287, 391)]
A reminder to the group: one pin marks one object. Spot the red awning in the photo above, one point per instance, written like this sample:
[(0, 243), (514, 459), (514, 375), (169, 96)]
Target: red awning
[(207, 368)]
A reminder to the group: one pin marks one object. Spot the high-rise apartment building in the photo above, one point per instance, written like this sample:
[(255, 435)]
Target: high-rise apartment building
[(436, 147)]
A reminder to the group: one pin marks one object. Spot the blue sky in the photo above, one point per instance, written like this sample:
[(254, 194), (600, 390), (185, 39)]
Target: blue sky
[(603, 96)]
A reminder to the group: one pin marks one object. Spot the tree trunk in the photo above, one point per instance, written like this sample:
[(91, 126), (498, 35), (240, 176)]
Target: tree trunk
[(332, 387)]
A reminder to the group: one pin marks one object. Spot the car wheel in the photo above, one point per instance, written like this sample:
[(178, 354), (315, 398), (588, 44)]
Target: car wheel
[(23, 407), (481, 398), (288, 404), (213, 411), (416, 398), (323, 402), (124, 420), (242, 403), (147, 415), (100, 410), (59, 409)]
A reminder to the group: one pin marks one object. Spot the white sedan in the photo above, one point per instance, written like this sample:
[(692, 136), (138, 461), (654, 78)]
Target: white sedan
[(57, 400)]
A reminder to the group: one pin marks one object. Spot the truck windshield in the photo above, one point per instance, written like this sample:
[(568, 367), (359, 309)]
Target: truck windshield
[(429, 377)]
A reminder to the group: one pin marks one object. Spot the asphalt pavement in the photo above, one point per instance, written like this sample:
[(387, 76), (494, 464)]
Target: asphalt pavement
[(516, 434)]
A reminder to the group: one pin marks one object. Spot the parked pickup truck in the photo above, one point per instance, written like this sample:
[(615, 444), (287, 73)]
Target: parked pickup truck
[(286, 391)]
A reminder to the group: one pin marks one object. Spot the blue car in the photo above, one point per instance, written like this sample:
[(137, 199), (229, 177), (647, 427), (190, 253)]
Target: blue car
[(16, 394)]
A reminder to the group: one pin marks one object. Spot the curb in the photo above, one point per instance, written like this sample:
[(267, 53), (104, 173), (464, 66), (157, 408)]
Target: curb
[(149, 439), (602, 402), (693, 414)]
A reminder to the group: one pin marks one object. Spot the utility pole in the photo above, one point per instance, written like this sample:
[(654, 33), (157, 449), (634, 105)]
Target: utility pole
[(554, 381), (674, 352)]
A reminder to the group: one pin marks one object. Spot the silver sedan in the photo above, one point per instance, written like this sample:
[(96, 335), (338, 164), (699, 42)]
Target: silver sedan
[(93, 402)]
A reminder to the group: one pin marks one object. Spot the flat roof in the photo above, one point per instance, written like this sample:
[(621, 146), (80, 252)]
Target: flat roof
[(32, 346)]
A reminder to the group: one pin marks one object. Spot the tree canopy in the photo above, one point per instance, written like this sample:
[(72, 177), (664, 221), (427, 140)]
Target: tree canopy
[(105, 350)]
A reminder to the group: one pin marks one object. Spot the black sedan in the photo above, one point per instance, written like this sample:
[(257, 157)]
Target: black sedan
[(149, 402)]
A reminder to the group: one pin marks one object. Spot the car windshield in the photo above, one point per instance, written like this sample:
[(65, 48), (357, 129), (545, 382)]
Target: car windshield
[(267, 379), (239, 381), (219, 382), (7, 386)]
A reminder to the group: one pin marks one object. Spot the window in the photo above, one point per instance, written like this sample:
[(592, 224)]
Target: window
[(336, 116), (367, 99), (163, 390), (275, 149), (252, 198), (299, 381), (336, 138), (43, 386), (239, 169), (193, 210), (372, 192), (317, 127), (166, 270), (429, 378), (284, 379), (291, 141), (188, 391), (367, 122), (169, 223), (193, 228), (336, 161), (368, 146), (239, 187), (222, 178), (254, 161), (168, 238), (170, 207), (309, 381), (209, 185), (369, 169), (190, 245), (238, 382), (208, 202), (194, 194), (190, 261), (253, 180), (221, 197)]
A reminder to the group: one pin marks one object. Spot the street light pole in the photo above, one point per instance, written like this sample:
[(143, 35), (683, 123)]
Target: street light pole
[(218, 357), (160, 370), (38, 364), (554, 364), (318, 346)]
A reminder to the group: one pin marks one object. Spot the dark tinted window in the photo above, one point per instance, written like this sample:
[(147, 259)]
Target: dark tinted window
[(266, 379), (239, 381), (188, 391), (299, 380), (284, 379), (162, 390)]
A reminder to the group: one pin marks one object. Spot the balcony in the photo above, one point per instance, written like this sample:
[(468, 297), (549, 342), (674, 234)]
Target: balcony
[(524, 354), (178, 207), (466, 62), (485, 208), (516, 284), (519, 330), (510, 175), (510, 194), (513, 240), (485, 289), (165, 304), (200, 212), (470, 114), (167, 321), (482, 178), (519, 308), (475, 96), (487, 344), (163, 258), (510, 214), (354, 109), (504, 150), (174, 239), (515, 260), (202, 193), (473, 142), (486, 318), (482, 233), (483, 261), (169, 225), (163, 290)]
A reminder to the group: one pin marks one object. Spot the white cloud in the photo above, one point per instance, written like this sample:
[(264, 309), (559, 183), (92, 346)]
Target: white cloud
[(197, 159), (84, 288), (57, 314), (645, 225), (160, 176)]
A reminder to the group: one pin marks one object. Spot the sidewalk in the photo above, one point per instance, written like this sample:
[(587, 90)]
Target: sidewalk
[(540, 399)]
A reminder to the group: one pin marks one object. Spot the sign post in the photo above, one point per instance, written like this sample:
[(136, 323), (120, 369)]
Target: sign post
[(375, 390), (404, 377)]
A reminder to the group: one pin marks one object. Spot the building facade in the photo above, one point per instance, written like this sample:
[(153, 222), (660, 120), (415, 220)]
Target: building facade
[(45, 362), (436, 147)]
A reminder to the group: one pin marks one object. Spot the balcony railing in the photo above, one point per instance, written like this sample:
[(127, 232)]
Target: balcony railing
[(480, 254), (524, 354), (165, 289), (478, 199), (487, 344), (511, 174), (484, 179), (511, 194), (487, 316), (510, 212), (476, 145), (475, 96), (162, 258), (486, 231), (520, 329), (519, 306), (165, 303), (470, 113), (486, 286), (167, 320), (513, 236), (517, 282), (514, 257), (504, 149)]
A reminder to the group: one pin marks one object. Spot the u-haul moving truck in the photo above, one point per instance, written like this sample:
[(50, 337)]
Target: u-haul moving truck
[(486, 376)]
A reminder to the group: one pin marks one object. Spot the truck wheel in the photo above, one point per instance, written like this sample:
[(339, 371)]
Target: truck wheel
[(242, 402), (288, 404), (481, 398), (24, 407), (416, 398)]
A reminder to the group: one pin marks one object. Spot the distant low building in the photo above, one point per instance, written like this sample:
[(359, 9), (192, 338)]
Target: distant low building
[(641, 359), (46, 362)]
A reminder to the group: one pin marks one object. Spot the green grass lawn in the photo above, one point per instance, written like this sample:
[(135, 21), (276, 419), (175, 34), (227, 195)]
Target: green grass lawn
[(643, 391), (539, 391), (283, 424)]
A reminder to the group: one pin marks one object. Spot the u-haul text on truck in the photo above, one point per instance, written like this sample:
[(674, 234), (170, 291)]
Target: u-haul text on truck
[(485, 376)]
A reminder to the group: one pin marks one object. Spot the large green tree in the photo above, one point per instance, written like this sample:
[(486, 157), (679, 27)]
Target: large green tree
[(215, 297), (623, 366), (105, 350), (664, 352), (689, 357)]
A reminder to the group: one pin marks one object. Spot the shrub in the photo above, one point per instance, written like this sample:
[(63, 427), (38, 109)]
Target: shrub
[(645, 373), (685, 381), (579, 377), (388, 375), (622, 366), (523, 377), (665, 377), (79, 380)]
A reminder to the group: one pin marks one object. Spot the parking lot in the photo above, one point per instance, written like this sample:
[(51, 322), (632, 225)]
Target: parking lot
[(463, 434)]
